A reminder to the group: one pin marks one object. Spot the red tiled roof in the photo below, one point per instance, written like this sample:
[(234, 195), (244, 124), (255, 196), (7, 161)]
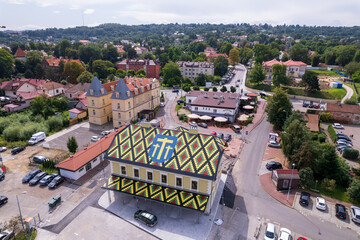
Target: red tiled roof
[(344, 108), (229, 100), (312, 121), (51, 85), (294, 63), (271, 63), (215, 55), (3, 84), (108, 85), (11, 105), (286, 171), (84, 156), (83, 101), (31, 95), (138, 83), (20, 53), (76, 110), (251, 94)]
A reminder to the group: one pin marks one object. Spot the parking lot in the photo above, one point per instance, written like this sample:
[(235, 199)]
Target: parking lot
[(352, 130), (328, 215), (277, 231)]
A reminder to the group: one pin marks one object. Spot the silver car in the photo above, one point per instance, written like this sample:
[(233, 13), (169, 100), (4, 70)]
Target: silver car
[(355, 214)]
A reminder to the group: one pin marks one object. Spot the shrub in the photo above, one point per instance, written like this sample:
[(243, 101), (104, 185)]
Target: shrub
[(311, 111), (354, 190), (206, 89), (196, 88), (332, 133), (314, 136), (54, 123), (351, 153), (326, 117), (350, 101), (322, 138), (329, 184), (306, 177)]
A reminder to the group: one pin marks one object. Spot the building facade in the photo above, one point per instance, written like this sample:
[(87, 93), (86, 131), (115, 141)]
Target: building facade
[(294, 69), (151, 67), (214, 104), (193, 69), (157, 164)]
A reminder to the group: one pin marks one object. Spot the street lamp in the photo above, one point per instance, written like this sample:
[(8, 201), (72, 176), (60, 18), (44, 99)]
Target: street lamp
[(292, 171), (22, 222)]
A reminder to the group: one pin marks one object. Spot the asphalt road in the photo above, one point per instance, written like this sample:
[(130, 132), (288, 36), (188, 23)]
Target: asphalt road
[(252, 200), (240, 73), (349, 93)]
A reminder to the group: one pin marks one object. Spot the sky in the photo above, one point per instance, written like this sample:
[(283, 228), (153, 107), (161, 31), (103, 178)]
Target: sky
[(41, 14)]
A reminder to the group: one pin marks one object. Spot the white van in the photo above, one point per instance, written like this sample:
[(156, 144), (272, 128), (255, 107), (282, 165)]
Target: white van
[(37, 137)]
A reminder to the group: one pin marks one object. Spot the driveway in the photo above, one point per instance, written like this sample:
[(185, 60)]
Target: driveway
[(349, 93)]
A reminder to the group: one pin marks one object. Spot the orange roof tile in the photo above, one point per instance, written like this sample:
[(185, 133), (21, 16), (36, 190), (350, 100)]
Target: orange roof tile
[(312, 121), (20, 53)]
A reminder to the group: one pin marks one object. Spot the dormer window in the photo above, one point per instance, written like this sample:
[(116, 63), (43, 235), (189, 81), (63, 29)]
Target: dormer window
[(136, 91), (142, 89), (112, 87), (102, 91), (117, 94), (91, 91), (128, 93)]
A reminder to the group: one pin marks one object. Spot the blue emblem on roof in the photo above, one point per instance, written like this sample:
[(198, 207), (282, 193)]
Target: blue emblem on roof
[(162, 148)]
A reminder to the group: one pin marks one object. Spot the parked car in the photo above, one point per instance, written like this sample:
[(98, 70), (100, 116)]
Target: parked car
[(194, 124), (311, 105), (3, 200), (355, 214), (343, 142), (175, 90), (56, 182), (274, 144), (340, 211), (220, 135), (343, 136), (213, 133), (320, 203), (269, 232), (305, 104), (47, 179), (16, 150), (30, 175), (144, 216), (301, 238), (202, 124), (2, 176), (180, 101), (273, 165), (162, 104), (6, 235), (95, 138), (285, 234), (39, 159), (341, 148), (236, 128), (37, 178), (304, 198), (106, 132), (316, 106), (227, 138), (3, 149), (338, 126)]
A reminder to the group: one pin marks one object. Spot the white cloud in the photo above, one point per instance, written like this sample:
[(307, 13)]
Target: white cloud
[(89, 11), (56, 12), (17, 2)]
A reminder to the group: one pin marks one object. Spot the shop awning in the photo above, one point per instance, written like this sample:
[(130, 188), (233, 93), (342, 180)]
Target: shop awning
[(243, 117), (248, 107), (193, 116), (205, 117), (158, 193), (220, 119)]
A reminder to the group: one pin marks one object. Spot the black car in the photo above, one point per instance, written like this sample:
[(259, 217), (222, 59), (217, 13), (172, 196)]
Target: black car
[(227, 138), (39, 159), (220, 135), (30, 175), (304, 198), (56, 182), (305, 104), (146, 217), (340, 211), (3, 200), (180, 101), (273, 165), (204, 125), (37, 178), (47, 179), (2, 176), (311, 105), (343, 136), (17, 150), (175, 90)]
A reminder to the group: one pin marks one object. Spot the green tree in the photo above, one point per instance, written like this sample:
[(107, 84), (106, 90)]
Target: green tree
[(32, 60), (226, 48), (72, 71), (172, 74), (234, 56), (148, 55), (101, 68), (89, 52), (315, 59), (6, 63), (61, 47), (356, 77), (72, 144), (140, 73), (120, 73), (39, 71), (220, 66), (262, 53), (206, 89), (196, 88), (233, 89), (279, 75), (299, 52), (223, 89), (354, 190), (200, 79), (131, 53), (214, 89), (327, 157), (131, 73), (85, 77), (293, 115), (311, 81), (186, 87), (285, 58), (352, 68), (344, 54), (41, 105), (110, 53), (306, 177), (258, 74), (245, 55), (278, 107), (19, 66), (329, 184)]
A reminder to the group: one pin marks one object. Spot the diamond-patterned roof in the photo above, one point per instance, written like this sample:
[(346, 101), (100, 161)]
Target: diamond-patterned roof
[(158, 193), (193, 154)]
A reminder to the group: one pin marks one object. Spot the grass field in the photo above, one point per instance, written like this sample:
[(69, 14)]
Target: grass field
[(354, 97), (326, 72), (337, 93)]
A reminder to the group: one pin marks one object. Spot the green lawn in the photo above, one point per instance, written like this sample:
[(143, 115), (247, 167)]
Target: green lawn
[(339, 193), (337, 93), (354, 96), (326, 72)]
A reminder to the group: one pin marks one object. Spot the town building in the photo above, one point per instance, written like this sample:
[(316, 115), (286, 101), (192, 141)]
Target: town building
[(174, 167), (16, 85), (133, 99), (53, 62), (312, 121), (77, 91), (99, 102), (151, 67), (282, 178), (193, 69), (344, 113), (20, 54), (294, 69), (209, 50), (214, 104), (52, 88)]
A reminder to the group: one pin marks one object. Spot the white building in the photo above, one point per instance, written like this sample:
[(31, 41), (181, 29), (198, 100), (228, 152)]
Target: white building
[(193, 69)]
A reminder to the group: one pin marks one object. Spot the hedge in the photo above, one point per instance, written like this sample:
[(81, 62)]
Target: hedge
[(332, 133), (351, 153)]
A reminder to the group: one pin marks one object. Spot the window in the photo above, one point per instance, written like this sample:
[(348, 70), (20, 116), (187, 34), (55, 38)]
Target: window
[(189, 100), (118, 106), (196, 108), (194, 185), (129, 105), (104, 111), (94, 112), (129, 114), (92, 103), (149, 176), (117, 95), (137, 101), (94, 160), (164, 178), (136, 172), (103, 101), (81, 169), (88, 166), (102, 91), (91, 92), (214, 110), (179, 182), (119, 115), (123, 170)]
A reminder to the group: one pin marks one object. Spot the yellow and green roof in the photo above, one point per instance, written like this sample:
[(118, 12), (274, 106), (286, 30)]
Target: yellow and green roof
[(177, 151), (159, 193)]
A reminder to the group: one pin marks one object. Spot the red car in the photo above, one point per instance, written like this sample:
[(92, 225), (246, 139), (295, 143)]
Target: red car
[(316, 106), (213, 133), (302, 238)]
